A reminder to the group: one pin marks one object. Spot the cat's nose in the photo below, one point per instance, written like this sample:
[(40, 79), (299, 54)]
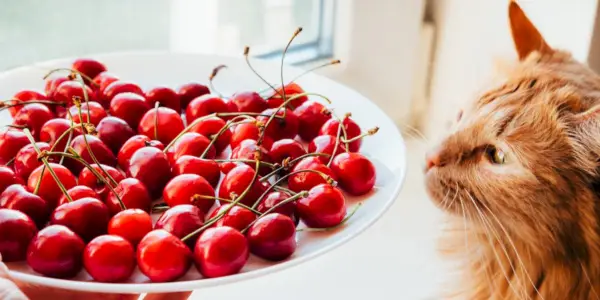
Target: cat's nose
[(433, 159)]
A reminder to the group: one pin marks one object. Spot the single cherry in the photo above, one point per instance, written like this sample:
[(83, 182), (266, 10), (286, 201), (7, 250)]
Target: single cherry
[(18, 198), (16, 231), (150, 166), (49, 190), (203, 106), (65, 92), (191, 143), (187, 189), (8, 177), (102, 80), (56, 251), (209, 169), (130, 107), (27, 160), (191, 91), (133, 144), (87, 217), (248, 131), (11, 141), (92, 108), (163, 257), (286, 128), (133, 193), (33, 116), (355, 172), (273, 199), (212, 261), (249, 102), (109, 258), (326, 144), (77, 192), (352, 130), (130, 224), (52, 84), (237, 217), (182, 220), (237, 180), (169, 124), (311, 117), (272, 237), (324, 207), (305, 181), (24, 96), (102, 153), (117, 87), (286, 149), (114, 132), (89, 67), (210, 126), (53, 129), (247, 150), (165, 96), (291, 90), (87, 178)]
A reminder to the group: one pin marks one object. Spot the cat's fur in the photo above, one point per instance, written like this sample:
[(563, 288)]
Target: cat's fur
[(528, 228)]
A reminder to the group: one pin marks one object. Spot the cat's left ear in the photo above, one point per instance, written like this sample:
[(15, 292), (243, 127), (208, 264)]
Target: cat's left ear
[(526, 37)]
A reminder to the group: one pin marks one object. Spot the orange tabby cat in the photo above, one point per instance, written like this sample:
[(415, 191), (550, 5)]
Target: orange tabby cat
[(517, 175)]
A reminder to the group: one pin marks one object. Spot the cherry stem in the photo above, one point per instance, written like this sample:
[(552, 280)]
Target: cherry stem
[(45, 161), (263, 163), (72, 71), (371, 131), (341, 124), (214, 73), (337, 144), (329, 63), (68, 144), (344, 221), (227, 125), (283, 58), (325, 176), (12, 160), (156, 120), (282, 189), (4, 106), (302, 194), (228, 201), (287, 164), (85, 97), (246, 51)]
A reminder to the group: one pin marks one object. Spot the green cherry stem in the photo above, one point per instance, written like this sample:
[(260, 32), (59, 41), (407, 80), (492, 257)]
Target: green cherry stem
[(72, 71), (337, 144), (156, 120), (212, 76), (262, 163), (246, 51), (329, 63), (296, 33), (344, 221), (228, 201), (225, 127), (369, 132), (4, 106), (302, 194), (287, 163), (282, 189), (68, 144), (86, 98)]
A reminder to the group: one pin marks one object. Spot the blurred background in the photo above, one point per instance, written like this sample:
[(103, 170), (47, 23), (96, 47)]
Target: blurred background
[(419, 60)]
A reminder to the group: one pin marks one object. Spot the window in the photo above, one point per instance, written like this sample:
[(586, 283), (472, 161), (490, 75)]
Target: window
[(33, 30)]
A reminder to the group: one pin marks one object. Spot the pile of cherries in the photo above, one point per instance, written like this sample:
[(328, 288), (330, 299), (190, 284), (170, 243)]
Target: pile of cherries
[(85, 164)]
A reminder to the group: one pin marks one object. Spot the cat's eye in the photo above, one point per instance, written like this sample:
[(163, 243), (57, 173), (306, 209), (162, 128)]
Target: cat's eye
[(496, 155)]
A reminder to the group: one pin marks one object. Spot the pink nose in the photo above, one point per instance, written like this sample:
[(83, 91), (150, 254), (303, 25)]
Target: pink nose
[(432, 159)]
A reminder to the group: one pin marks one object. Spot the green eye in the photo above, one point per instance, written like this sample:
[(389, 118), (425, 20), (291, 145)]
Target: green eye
[(496, 155)]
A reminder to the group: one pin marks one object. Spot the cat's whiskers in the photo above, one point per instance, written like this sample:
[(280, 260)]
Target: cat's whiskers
[(589, 280), (414, 130)]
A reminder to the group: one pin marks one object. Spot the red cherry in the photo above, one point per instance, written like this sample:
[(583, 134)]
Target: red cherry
[(16, 231), (291, 90), (182, 220), (169, 122), (184, 189), (231, 107), (237, 180), (210, 126), (311, 117), (165, 96), (109, 258), (249, 102), (209, 169), (87, 178), (96, 112), (274, 198), (352, 130), (191, 91), (237, 217), (304, 181), (131, 224), (24, 96), (102, 80), (324, 206), (191, 143), (77, 192), (130, 107), (247, 150), (133, 193), (33, 116), (248, 131), (88, 217), (52, 84), (117, 87), (89, 67), (203, 106), (150, 166), (56, 251), (355, 172), (325, 144), (18, 198), (212, 261), (27, 159), (65, 92), (133, 144), (49, 190), (273, 237), (8, 177), (278, 129), (99, 149), (163, 257), (227, 166), (114, 132), (53, 129), (286, 149), (11, 141)]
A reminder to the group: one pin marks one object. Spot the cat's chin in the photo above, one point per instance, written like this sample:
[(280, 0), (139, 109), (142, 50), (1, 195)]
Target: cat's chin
[(443, 196)]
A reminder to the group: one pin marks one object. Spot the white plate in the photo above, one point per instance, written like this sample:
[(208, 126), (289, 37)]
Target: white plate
[(386, 149)]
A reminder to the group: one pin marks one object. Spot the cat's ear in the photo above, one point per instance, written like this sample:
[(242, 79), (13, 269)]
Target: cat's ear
[(526, 37)]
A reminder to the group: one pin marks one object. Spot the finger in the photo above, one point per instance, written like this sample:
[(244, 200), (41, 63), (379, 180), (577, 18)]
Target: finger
[(8, 289), (169, 296)]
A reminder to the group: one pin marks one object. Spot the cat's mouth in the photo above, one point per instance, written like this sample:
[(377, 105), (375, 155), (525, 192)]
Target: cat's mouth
[(443, 193)]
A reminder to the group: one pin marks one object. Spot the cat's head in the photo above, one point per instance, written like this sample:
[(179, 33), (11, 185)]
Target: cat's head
[(517, 153)]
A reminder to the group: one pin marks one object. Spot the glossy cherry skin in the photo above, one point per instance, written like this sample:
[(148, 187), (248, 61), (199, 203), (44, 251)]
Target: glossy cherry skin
[(326, 144), (274, 198), (211, 126), (249, 102), (133, 193), (182, 220), (87, 178), (324, 207), (352, 129), (163, 257), (89, 67), (52, 84), (49, 190), (117, 87), (133, 144), (305, 181), (247, 150), (278, 129), (102, 80), (311, 117), (212, 261), (291, 90), (169, 122), (11, 141), (165, 96), (114, 132), (237, 180), (96, 113), (131, 224), (355, 172), (286, 149), (53, 129), (150, 166), (209, 169), (87, 217), (8, 177), (102, 153), (24, 96), (248, 131), (33, 116), (183, 189), (203, 106), (130, 107), (272, 237), (191, 91), (27, 159), (16, 231), (237, 217), (18, 198), (65, 92), (77, 192), (191, 143), (109, 258), (56, 251)]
